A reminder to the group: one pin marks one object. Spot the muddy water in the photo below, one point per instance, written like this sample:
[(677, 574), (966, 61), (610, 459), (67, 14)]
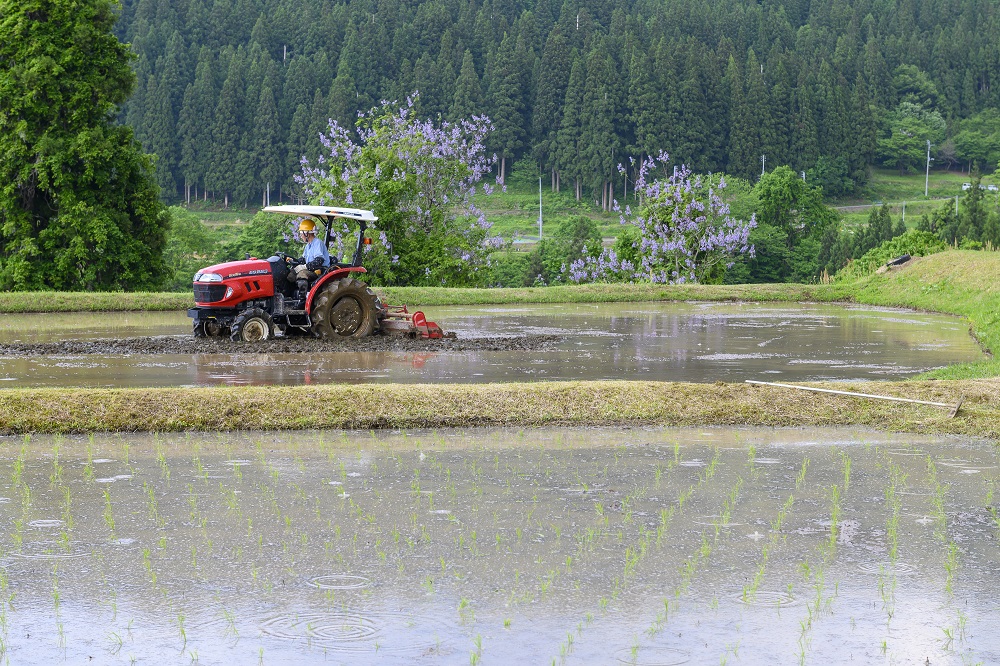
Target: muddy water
[(655, 341), (584, 546)]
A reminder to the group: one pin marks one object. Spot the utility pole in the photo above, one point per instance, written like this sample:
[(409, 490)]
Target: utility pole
[(803, 176), (763, 158), (539, 208), (927, 174)]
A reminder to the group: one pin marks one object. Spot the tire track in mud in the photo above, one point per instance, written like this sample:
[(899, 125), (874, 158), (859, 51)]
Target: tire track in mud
[(166, 344)]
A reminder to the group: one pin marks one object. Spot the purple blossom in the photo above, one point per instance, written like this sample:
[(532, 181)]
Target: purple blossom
[(418, 176), (684, 230)]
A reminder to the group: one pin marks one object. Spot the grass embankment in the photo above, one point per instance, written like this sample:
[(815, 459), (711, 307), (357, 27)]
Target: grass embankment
[(617, 403), (17, 302), (956, 282)]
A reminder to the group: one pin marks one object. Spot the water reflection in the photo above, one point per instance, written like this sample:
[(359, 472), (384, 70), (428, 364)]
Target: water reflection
[(583, 545), (652, 341)]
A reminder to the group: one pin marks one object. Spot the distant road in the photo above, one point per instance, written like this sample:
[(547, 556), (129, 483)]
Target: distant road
[(861, 207)]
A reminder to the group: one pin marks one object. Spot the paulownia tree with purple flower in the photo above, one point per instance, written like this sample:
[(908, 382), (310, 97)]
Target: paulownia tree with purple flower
[(685, 232), (419, 178)]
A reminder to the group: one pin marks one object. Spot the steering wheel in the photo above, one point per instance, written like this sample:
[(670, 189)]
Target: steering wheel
[(286, 258)]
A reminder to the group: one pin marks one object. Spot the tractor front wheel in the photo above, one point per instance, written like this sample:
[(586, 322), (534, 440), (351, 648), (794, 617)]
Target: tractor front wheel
[(208, 328), (252, 325), (346, 308)]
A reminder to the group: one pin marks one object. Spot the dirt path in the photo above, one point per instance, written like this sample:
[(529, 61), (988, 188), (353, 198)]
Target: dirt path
[(188, 345)]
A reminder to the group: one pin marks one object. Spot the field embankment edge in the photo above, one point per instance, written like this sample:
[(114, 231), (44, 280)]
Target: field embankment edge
[(601, 403)]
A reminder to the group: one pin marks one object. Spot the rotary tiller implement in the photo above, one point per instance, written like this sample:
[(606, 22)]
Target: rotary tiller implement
[(254, 299)]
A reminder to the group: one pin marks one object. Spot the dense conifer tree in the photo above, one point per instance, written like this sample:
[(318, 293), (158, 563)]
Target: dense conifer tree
[(468, 98), (824, 63), (78, 200)]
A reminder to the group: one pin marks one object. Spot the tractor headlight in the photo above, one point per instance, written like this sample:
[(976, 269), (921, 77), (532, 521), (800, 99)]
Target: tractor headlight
[(229, 292), (208, 277)]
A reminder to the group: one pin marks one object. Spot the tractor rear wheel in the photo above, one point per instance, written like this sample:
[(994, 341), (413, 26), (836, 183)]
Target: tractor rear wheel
[(346, 308), (252, 325)]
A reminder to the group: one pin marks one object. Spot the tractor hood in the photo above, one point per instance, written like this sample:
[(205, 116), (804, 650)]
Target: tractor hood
[(234, 269)]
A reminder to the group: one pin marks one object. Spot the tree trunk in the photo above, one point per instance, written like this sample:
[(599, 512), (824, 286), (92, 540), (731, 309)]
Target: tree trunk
[(611, 194), (503, 169), (227, 201)]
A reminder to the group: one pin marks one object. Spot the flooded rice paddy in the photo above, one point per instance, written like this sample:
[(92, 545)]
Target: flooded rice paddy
[(641, 546), (699, 342)]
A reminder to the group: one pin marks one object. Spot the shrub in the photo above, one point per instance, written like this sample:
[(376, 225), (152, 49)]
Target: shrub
[(913, 242)]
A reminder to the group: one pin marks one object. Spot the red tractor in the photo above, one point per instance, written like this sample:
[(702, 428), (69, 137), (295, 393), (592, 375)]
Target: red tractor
[(253, 300)]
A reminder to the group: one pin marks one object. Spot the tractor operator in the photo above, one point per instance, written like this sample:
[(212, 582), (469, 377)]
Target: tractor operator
[(315, 257)]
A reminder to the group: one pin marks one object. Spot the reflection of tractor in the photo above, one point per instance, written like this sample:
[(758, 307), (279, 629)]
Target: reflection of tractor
[(253, 299)]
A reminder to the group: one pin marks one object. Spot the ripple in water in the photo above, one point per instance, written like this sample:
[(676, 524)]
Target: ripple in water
[(768, 598), (46, 523), (47, 550), (348, 632), (339, 582), (112, 479), (899, 568), (652, 656)]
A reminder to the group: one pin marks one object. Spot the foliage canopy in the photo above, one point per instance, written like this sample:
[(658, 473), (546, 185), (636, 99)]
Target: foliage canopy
[(79, 208)]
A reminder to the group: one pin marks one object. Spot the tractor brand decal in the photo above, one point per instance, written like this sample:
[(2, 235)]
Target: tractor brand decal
[(259, 271)]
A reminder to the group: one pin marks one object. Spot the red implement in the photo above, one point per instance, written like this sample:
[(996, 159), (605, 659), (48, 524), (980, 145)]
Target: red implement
[(399, 320)]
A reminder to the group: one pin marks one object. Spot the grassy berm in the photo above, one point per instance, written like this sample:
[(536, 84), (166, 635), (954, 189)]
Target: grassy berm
[(617, 403), (958, 282)]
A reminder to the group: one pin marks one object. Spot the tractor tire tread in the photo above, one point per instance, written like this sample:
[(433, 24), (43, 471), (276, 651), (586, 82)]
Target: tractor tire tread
[(371, 305)]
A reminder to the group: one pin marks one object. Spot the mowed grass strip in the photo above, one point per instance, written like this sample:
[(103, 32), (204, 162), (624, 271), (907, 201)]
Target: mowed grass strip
[(617, 403), (18, 302)]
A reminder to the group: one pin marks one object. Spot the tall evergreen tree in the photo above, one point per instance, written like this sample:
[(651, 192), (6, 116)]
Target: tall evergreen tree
[(550, 92), (226, 134), (805, 139), (600, 143), (742, 146), (267, 142), (298, 139), (759, 113), (79, 206), (159, 128), (195, 124), (646, 109), (468, 98), (569, 138), (342, 100), (506, 103)]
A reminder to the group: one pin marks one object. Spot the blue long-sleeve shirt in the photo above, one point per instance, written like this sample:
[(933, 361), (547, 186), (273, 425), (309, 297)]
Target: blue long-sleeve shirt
[(316, 248)]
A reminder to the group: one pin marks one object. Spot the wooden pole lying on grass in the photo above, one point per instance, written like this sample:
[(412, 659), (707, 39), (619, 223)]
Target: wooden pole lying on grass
[(953, 409)]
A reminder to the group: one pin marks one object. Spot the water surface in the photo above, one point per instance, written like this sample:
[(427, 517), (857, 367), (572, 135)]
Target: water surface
[(699, 342), (496, 546)]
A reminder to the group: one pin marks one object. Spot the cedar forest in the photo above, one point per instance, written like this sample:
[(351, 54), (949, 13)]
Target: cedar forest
[(232, 93)]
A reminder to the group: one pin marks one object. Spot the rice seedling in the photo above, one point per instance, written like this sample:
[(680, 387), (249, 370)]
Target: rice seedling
[(56, 477), (181, 630), (937, 501), (147, 563), (152, 507), (846, 459), (116, 643), (834, 514), (950, 566), (109, 515)]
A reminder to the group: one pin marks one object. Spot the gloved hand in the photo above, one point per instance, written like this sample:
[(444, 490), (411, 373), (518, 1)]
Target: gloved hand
[(315, 264)]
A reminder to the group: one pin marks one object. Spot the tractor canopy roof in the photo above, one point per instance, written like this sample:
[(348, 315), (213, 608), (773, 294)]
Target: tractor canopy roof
[(323, 212)]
